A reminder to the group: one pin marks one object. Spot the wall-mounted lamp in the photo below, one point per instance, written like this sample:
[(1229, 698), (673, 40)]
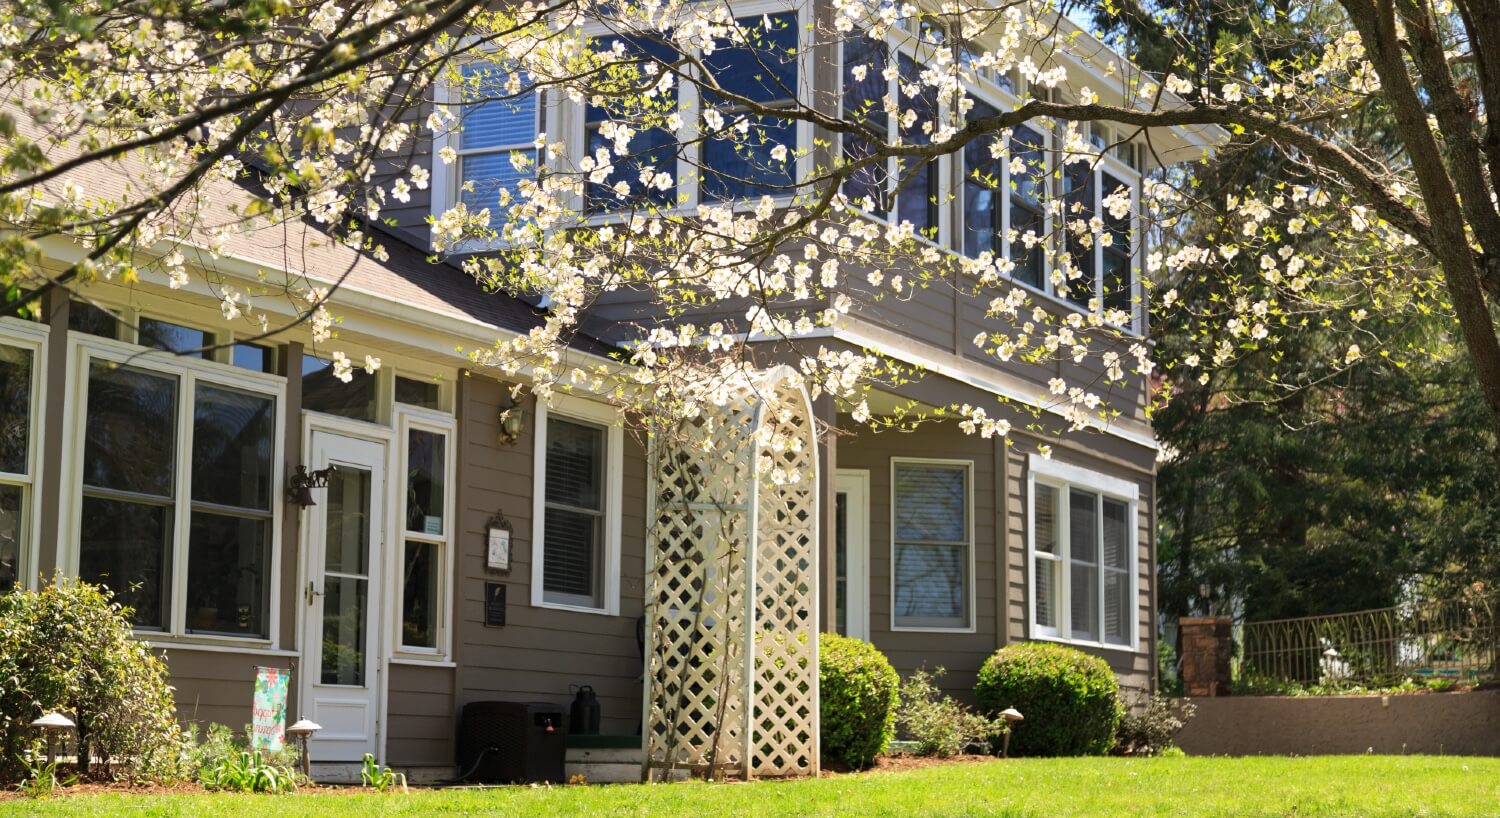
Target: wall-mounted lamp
[(299, 487), (512, 424)]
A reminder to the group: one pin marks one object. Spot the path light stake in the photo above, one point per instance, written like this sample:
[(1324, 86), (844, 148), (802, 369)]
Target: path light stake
[(52, 723), (302, 731), (1011, 716)]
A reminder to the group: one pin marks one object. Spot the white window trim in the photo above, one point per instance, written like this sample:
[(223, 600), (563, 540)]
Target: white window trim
[(32, 337), (594, 413), (426, 420), (1064, 476), (969, 604), (188, 371)]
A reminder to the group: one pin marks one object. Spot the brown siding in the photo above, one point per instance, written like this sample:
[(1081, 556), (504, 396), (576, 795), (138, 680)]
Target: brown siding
[(420, 715), (1001, 583), (217, 687), (540, 651), (959, 653)]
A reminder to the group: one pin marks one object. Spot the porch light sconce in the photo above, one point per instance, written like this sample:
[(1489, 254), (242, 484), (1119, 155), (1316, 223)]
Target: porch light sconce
[(302, 731), (299, 487), (1011, 716), (512, 424)]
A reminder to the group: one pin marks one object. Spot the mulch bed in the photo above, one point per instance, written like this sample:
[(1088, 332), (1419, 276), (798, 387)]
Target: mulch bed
[(901, 762)]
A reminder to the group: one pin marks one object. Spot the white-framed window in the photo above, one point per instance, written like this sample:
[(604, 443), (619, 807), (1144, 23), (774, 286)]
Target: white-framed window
[(497, 145), (23, 367), (1082, 555), (897, 190), (175, 488), (425, 556), (576, 507), (1107, 261), (932, 544)]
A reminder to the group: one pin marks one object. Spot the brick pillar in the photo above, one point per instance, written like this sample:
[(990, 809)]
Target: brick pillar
[(1207, 644)]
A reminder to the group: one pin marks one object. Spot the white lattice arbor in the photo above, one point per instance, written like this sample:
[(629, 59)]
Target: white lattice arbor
[(732, 592)]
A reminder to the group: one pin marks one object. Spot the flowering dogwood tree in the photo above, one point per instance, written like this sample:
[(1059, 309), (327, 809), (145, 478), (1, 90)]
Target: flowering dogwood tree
[(324, 112)]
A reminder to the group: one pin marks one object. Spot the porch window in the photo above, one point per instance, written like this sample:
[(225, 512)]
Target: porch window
[(322, 391), (496, 148), (177, 509), (932, 544), (17, 382), (175, 338), (423, 554), (763, 69), (1081, 565)]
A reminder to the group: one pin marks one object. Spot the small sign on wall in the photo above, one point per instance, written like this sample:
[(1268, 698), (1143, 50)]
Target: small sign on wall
[(497, 547), (494, 604)]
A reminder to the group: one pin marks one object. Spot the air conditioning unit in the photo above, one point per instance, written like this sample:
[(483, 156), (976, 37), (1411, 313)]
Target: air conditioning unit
[(512, 742)]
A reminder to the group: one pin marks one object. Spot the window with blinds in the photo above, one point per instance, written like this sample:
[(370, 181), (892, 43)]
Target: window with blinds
[(931, 545), (496, 148), (573, 553), (1080, 564)]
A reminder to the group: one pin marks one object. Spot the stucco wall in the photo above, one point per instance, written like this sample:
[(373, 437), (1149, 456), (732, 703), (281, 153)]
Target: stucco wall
[(1436, 724)]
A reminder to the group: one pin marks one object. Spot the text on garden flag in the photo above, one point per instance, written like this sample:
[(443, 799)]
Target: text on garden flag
[(268, 711)]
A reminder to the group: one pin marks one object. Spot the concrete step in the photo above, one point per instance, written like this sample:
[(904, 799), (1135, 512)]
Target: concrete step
[(605, 765)]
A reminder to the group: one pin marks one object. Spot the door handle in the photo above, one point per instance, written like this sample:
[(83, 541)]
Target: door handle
[(312, 591)]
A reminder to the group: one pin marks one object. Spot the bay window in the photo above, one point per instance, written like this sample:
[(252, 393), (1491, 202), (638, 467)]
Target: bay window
[(177, 505), (932, 545), (765, 70), (576, 549), (1081, 551)]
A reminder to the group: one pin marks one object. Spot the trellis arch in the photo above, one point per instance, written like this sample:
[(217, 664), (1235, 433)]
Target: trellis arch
[(731, 683)]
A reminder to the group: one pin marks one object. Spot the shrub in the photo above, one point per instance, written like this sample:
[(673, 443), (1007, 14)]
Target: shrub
[(1149, 729), (1070, 700), (68, 648), (939, 725), (857, 695)]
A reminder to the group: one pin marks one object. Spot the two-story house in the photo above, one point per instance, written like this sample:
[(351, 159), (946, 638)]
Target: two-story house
[(165, 475)]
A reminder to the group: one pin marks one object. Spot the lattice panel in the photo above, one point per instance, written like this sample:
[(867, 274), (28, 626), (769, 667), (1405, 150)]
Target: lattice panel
[(731, 662), (786, 664)]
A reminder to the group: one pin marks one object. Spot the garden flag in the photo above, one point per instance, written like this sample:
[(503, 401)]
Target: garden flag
[(268, 712)]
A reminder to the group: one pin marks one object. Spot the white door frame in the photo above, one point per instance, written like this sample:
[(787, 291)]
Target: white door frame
[(855, 485), (378, 610)]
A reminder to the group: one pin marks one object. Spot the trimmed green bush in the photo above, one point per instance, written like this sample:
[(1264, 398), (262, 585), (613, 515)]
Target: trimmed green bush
[(1070, 700), (857, 695), (68, 647)]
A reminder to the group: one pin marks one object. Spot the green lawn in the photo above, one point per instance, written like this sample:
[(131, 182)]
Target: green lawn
[(1363, 786)]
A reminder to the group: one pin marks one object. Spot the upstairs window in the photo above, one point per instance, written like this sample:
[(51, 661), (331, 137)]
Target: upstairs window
[(497, 146), (763, 69), (907, 187), (632, 182), (1003, 211), (1078, 241)]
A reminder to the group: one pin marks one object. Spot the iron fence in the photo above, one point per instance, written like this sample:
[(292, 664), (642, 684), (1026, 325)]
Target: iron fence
[(1450, 640)]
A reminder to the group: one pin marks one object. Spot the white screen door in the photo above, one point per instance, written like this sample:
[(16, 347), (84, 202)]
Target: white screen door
[(340, 632), (852, 553)]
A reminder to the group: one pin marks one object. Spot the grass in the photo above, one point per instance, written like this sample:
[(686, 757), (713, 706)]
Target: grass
[(1364, 786)]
